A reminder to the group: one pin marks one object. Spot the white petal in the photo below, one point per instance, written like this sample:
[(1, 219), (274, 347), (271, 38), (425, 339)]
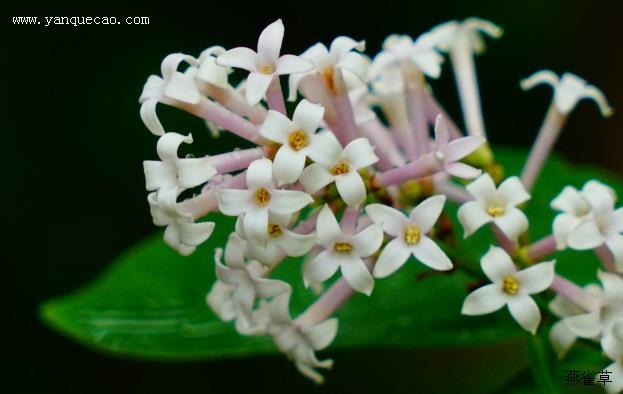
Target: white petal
[(357, 275), (482, 188), (321, 268), (308, 116), (267, 288), (360, 153), (276, 127), (321, 335), (159, 175), (616, 377), (540, 77), (351, 188), (150, 118), (288, 201), (617, 219), (182, 88), (233, 202), (219, 299), (193, 234), (194, 172), (327, 228), (462, 170), (240, 57), (315, 177), (563, 226), (600, 199), (290, 64), (497, 264), (256, 86), (472, 217), (324, 148), (561, 338), (513, 191), (260, 174), (585, 236), (393, 220), (368, 241), (526, 312), (255, 223), (442, 134), (288, 164), (513, 223), (295, 245), (536, 278), (570, 201), (234, 252), (586, 325), (426, 213), (269, 42), (354, 63), (279, 309), (461, 147), (430, 254), (614, 242), (394, 255), (483, 300), (612, 284)]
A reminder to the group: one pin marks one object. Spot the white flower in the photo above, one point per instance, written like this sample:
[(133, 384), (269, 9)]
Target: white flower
[(399, 49), (173, 171), (210, 72), (568, 90), (174, 88), (495, 205), (298, 139), (409, 236), (242, 284), (341, 166), (450, 152), (510, 287), (450, 35), (345, 251), (300, 341), (265, 64), (181, 233), (339, 57), (280, 241), (260, 199), (612, 345)]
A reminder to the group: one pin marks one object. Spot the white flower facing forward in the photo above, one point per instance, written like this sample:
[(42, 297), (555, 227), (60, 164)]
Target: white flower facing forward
[(510, 287), (568, 91), (400, 49), (612, 346), (341, 166), (174, 88), (298, 139), (181, 233), (265, 64), (281, 241), (246, 284), (450, 152), (345, 251), (298, 340), (258, 200), (175, 172), (409, 235), (495, 205)]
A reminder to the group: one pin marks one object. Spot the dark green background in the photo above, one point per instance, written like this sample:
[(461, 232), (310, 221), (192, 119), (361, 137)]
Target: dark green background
[(73, 145)]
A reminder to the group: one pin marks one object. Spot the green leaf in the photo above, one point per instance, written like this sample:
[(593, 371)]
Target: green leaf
[(150, 302)]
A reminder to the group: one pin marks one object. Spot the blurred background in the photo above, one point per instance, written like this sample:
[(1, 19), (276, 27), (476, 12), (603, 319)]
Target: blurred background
[(74, 143)]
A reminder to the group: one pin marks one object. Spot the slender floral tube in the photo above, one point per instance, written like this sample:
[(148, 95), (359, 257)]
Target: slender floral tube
[(384, 145), (550, 130), (307, 226), (274, 96), (574, 293), (236, 160), (207, 202), (507, 244), (235, 102), (349, 220), (452, 192), (606, 258), (344, 110), (416, 105), (541, 248), (330, 301), (433, 108), (426, 165)]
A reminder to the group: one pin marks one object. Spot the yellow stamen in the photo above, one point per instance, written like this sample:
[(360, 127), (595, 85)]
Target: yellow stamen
[(510, 285), (496, 211), (342, 167), (274, 230), (267, 69), (298, 140), (262, 197), (412, 235), (343, 247), (328, 78)]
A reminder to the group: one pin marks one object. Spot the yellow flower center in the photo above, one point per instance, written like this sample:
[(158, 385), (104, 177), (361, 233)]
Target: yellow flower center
[(298, 140), (343, 247), (510, 285), (342, 167), (412, 235), (267, 69), (328, 78), (274, 230), (496, 211), (262, 197)]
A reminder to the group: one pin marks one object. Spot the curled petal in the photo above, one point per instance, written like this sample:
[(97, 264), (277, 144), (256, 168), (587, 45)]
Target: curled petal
[(540, 77), (321, 335), (297, 244), (267, 288), (240, 57), (234, 251), (343, 44), (526, 312), (150, 118), (194, 172)]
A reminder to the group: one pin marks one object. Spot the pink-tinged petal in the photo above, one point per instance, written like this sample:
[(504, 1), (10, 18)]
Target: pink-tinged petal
[(461, 147), (327, 228), (612, 284), (288, 201), (570, 201), (150, 118), (483, 300), (561, 338), (256, 87), (276, 127), (394, 255), (360, 153), (267, 288), (255, 223), (430, 254), (308, 116), (368, 240), (260, 174), (240, 57), (351, 188), (269, 42), (614, 242), (354, 63), (219, 300), (288, 165), (513, 191), (393, 220), (295, 245), (513, 223), (315, 177), (426, 213), (357, 275), (226, 274), (234, 202), (482, 188), (321, 268), (586, 325), (324, 148), (244, 298), (536, 278), (279, 309), (462, 170), (526, 312), (472, 217), (321, 335), (497, 264), (182, 88), (234, 251), (442, 134), (290, 64), (585, 236)]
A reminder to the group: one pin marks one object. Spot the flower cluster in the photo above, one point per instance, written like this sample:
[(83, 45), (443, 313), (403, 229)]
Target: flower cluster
[(356, 180)]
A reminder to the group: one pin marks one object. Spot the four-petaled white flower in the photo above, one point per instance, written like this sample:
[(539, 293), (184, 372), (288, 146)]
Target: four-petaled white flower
[(298, 139), (496, 206), (265, 64), (246, 283), (398, 49), (510, 287), (341, 166), (450, 152), (281, 241), (568, 91), (299, 340), (173, 88), (409, 236), (612, 345), (345, 251), (259, 199), (173, 171)]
